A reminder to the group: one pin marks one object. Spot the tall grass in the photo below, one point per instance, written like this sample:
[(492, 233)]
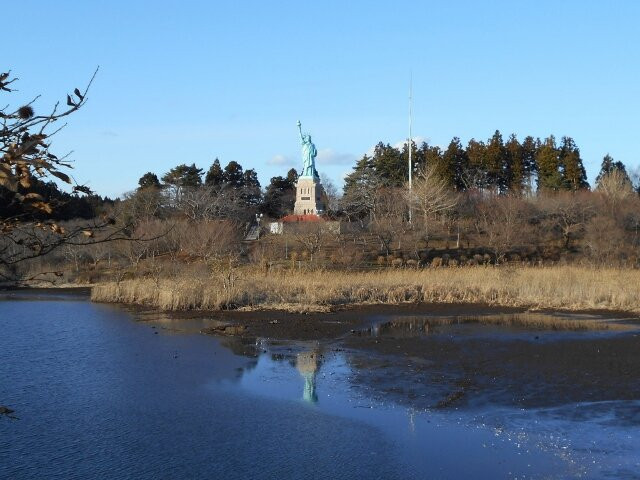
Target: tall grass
[(560, 287)]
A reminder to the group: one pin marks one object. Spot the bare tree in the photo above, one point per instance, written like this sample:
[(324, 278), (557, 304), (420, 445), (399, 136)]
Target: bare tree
[(389, 219), (209, 240), (331, 191), (502, 222), (616, 187), (566, 214), (430, 196), (142, 204), (310, 236)]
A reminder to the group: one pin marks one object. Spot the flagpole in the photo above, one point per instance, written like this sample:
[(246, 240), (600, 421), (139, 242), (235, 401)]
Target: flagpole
[(410, 147)]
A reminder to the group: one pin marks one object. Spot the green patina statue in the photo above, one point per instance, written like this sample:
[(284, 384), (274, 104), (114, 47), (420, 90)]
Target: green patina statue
[(309, 154)]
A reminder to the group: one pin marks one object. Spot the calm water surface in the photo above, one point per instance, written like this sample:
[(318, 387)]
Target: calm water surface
[(99, 395)]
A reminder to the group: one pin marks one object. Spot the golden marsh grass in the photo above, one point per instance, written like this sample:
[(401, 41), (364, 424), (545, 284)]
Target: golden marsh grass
[(559, 287)]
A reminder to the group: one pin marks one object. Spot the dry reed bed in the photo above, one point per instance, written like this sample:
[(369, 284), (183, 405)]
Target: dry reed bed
[(562, 287)]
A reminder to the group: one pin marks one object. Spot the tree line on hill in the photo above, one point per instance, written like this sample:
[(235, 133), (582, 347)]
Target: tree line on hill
[(527, 200), (530, 199), (494, 167), (229, 193), (64, 205), (510, 167)]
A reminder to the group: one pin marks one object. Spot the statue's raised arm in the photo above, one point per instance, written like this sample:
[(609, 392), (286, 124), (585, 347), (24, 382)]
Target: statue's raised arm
[(300, 131)]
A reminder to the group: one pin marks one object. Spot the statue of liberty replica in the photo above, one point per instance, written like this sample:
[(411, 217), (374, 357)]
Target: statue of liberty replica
[(310, 196), (309, 154)]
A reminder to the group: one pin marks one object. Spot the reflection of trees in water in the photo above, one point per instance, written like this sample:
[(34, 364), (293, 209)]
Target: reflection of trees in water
[(308, 364), (408, 327)]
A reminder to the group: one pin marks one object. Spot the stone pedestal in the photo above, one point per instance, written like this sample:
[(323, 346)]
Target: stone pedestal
[(310, 197)]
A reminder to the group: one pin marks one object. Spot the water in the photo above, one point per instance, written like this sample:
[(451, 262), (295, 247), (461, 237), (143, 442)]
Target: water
[(99, 395)]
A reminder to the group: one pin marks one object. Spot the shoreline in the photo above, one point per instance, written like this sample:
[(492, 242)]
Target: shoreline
[(339, 324)]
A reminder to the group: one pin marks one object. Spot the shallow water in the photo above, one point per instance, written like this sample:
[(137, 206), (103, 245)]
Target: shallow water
[(99, 395)]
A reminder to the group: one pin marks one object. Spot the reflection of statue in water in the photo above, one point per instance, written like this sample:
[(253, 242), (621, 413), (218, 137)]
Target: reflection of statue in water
[(309, 154), (307, 364)]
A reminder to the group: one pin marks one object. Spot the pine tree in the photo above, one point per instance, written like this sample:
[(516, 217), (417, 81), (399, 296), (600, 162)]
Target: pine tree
[(251, 187), (360, 187), (433, 156), (292, 176), (608, 166), (215, 175), (515, 166), (417, 158), (149, 180), (496, 162), (184, 176), (454, 163), (574, 176), (389, 165), (530, 167), (476, 174), (548, 164), (233, 175), (180, 178), (280, 196)]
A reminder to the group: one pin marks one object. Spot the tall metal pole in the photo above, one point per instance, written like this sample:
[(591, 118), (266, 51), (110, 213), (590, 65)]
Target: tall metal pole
[(410, 148)]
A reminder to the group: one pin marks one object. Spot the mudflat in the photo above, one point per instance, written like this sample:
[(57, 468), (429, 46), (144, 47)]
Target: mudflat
[(468, 355)]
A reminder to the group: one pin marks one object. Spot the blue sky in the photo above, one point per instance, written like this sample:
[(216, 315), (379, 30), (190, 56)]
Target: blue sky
[(188, 81)]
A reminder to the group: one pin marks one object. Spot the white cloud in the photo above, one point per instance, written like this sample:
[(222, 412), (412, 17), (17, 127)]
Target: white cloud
[(280, 160), (328, 156), (399, 144), (417, 140)]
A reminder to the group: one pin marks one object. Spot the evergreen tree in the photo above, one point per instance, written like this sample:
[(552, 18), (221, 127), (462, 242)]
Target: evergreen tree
[(233, 175), (476, 174), (292, 176), (251, 187), (66, 206), (184, 176), (149, 180), (496, 162), (280, 196), (574, 176), (529, 149), (360, 187), (608, 166), (515, 166), (417, 158), (363, 171), (215, 175), (420, 157), (389, 165), (433, 157), (180, 178), (454, 163), (548, 164)]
